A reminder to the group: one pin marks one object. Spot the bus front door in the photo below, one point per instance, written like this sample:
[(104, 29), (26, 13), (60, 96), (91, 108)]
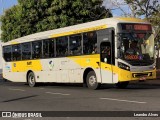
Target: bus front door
[(106, 58)]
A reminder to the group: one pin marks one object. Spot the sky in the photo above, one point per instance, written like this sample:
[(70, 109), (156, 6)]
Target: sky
[(5, 4), (118, 7)]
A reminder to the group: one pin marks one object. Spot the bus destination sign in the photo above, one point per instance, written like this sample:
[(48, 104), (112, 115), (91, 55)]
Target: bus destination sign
[(137, 27)]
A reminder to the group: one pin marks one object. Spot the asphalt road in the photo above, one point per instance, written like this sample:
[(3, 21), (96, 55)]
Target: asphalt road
[(67, 97)]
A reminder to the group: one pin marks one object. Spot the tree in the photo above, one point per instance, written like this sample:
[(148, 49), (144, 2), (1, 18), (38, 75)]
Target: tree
[(144, 7), (31, 16), (9, 23), (148, 9)]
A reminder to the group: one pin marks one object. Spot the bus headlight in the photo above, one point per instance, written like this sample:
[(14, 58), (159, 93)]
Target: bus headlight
[(123, 66)]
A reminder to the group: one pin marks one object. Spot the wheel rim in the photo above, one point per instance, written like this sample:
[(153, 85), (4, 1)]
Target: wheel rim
[(31, 79), (92, 80)]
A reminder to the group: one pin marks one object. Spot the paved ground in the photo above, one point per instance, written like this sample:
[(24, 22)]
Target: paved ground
[(62, 97)]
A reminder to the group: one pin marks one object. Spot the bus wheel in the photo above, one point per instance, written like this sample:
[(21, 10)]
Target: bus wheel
[(31, 79), (122, 85), (92, 81)]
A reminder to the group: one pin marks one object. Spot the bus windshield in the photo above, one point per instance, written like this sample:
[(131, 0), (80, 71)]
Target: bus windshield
[(137, 48)]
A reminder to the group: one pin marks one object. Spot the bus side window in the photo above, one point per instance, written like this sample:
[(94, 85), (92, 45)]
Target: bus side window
[(16, 52), (90, 43), (7, 53), (62, 46), (37, 50), (46, 48), (51, 48), (26, 51), (75, 45)]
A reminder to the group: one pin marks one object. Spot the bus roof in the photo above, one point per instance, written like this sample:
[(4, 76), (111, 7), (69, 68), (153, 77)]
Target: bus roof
[(80, 28)]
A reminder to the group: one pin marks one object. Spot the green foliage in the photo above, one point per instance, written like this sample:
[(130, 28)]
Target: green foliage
[(144, 7), (9, 21), (149, 9), (155, 20), (31, 16)]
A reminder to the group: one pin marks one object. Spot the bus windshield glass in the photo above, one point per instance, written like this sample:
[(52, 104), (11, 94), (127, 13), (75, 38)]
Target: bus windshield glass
[(136, 47)]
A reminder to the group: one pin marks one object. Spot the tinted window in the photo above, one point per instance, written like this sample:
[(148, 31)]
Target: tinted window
[(26, 51), (51, 48), (45, 48), (62, 46), (7, 53), (48, 48), (75, 45), (36, 49), (105, 52), (16, 51), (90, 43)]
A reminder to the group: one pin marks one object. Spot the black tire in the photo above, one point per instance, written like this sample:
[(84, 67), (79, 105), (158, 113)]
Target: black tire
[(122, 85), (31, 79), (92, 81)]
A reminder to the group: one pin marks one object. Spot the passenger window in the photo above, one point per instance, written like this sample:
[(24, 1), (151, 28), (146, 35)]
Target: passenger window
[(7, 53), (26, 51), (16, 51), (62, 46), (45, 48), (51, 48), (37, 50), (75, 45), (90, 43)]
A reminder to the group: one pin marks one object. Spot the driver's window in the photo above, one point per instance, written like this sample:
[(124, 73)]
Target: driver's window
[(106, 52)]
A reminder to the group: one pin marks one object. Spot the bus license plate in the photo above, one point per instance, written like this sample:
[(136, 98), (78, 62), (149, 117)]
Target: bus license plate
[(143, 78)]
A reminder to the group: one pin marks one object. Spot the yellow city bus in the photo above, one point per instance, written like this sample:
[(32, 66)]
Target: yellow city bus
[(112, 50)]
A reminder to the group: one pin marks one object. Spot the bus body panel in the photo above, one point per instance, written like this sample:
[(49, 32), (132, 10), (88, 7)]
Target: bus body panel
[(51, 72), (71, 76)]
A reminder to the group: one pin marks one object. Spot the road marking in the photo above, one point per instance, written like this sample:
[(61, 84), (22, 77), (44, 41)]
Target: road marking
[(41, 88), (122, 100), (17, 89), (56, 93)]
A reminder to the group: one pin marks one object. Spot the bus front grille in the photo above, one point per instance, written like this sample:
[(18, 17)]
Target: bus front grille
[(138, 75)]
